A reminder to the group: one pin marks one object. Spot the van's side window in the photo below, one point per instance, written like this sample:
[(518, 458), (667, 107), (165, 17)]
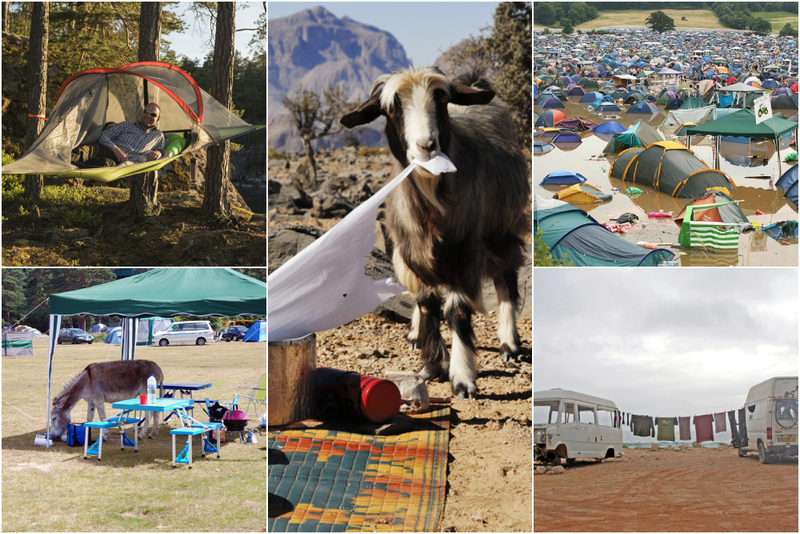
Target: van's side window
[(587, 415), (605, 417), (568, 413)]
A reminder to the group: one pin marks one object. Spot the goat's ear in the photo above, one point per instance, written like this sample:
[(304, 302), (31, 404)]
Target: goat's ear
[(467, 96), (366, 113)]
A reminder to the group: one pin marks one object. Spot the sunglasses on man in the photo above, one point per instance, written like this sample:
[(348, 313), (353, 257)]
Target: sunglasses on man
[(151, 113)]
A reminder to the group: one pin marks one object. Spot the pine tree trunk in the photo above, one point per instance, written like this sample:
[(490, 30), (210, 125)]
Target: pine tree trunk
[(216, 204), (144, 187), (37, 86)]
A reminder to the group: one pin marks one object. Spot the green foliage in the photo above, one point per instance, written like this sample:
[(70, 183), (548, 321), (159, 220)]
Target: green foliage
[(13, 185), (660, 22), (83, 219), (554, 13), (506, 53), (274, 154), (65, 194), (566, 25), (788, 31), (542, 256), (760, 26)]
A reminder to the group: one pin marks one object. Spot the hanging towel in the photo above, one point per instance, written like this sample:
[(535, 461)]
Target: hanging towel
[(666, 428), (719, 422), (734, 432), (684, 425), (642, 425), (703, 429)]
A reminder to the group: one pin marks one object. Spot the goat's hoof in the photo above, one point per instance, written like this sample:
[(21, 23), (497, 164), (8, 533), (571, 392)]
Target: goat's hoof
[(437, 373), (509, 354), (412, 344), (465, 391)]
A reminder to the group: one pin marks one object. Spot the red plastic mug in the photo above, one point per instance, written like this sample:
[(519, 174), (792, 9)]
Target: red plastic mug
[(365, 397), (142, 399)]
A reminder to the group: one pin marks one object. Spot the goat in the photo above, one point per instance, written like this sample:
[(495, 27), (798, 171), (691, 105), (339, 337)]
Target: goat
[(452, 230)]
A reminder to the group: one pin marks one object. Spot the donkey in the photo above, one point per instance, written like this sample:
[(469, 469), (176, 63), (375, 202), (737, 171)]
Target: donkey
[(105, 382)]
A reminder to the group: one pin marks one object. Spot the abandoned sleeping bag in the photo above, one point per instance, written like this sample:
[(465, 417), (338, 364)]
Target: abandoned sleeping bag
[(572, 235), (90, 100), (671, 168)]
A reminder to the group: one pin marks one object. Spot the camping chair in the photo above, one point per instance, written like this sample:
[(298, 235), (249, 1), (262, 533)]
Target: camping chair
[(255, 395)]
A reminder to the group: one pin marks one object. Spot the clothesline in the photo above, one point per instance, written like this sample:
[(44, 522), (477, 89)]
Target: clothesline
[(663, 428)]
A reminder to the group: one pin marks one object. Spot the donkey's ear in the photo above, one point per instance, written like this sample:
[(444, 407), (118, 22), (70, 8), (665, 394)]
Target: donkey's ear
[(467, 96)]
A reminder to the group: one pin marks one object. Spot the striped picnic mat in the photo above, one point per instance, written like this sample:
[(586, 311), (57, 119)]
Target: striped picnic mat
[(328, 480)]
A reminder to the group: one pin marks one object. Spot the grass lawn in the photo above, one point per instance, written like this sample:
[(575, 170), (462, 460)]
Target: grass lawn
[(695, 18), (57, 490)]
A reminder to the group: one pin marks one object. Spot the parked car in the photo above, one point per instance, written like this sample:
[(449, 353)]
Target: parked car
[(186, 332), (233, 333), (74, 336), (770, 427)]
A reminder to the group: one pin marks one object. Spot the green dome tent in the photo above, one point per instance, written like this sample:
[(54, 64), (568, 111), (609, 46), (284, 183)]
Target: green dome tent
[(574, 236), (87, 101), (671, 168)]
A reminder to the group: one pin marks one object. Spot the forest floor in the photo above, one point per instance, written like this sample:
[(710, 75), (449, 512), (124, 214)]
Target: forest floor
[(92, 229)]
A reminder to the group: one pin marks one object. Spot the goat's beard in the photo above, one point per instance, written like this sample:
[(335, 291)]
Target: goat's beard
[(427, 183)]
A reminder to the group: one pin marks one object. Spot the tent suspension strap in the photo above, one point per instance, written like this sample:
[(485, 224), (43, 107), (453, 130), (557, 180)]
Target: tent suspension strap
[(37, 117), (30, 312)]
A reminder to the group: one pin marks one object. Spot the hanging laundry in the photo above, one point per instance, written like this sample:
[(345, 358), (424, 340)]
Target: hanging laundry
[(666, 428), (734, 433), (642, 425), (684, 425), (719, 422), (702, 428)]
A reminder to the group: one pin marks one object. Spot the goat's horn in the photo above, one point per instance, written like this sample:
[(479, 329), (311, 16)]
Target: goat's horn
[(378, 82)]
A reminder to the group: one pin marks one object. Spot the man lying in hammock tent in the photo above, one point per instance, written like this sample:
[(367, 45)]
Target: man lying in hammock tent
[(188, 119)]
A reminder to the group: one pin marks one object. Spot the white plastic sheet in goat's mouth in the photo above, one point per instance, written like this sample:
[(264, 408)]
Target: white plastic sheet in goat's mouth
[(324, 286)]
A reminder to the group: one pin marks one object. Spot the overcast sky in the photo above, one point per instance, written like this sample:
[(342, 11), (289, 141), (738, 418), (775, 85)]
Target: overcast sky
[(664, 341), (425, 29)]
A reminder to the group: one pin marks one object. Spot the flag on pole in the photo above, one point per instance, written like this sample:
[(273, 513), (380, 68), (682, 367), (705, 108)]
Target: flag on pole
[(762, 108)]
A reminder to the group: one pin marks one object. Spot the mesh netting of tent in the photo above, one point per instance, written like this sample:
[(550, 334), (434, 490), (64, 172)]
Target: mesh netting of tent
[(91, 99)]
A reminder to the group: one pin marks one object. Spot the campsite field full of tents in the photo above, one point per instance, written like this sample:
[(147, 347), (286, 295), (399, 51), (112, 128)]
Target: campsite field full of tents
[(57, 490), (755, 187)]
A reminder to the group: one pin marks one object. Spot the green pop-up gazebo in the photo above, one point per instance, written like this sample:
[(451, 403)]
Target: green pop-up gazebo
[(158, 292)]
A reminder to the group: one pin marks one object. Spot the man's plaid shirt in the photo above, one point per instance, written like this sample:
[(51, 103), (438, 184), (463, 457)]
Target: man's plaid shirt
[(132, 139)]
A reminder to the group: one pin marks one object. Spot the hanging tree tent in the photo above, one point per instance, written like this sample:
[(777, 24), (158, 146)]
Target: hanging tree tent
[(89, 100), (159, 292)]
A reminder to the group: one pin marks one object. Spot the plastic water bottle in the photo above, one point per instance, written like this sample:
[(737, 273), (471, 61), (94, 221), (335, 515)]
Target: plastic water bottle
[(151, 390)]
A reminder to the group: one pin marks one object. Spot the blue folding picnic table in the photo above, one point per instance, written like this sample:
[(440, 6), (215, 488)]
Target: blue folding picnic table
[(185, 389), (161, 405)]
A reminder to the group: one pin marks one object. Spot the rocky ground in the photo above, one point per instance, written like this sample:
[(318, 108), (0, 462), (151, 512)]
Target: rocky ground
[(490, 462)]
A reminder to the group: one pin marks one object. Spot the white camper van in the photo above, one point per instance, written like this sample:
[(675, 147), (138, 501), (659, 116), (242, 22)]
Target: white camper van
[(771, 419), (574, 425)]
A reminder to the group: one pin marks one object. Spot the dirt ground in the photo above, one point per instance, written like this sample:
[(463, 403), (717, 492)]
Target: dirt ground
[(490, 458), (671, 489)]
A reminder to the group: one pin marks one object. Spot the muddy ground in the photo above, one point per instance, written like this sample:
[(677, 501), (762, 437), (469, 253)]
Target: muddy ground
[(672, 489), (489, 482)]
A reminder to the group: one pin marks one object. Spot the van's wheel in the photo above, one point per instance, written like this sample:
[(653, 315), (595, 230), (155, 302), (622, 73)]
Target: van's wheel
[(570, 461), (201, 341), (163, 343), (763, 455)]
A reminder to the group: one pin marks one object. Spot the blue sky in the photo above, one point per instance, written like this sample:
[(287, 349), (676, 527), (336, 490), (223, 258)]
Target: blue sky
[(190, 43), (425, 29)]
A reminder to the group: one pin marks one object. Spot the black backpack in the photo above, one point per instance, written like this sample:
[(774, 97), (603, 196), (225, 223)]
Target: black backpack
[(215, 412)]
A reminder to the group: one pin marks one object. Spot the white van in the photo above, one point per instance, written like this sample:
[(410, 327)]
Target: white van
[(186, 332), (771, 419), (574, 425)]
